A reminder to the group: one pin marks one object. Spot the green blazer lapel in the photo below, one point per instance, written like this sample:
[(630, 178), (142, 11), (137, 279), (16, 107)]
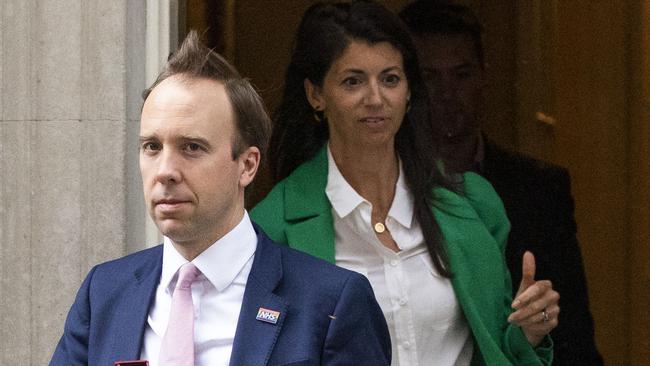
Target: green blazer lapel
[(314, 236), (465, 236), (307, 209), (476, 261), (451, 204)]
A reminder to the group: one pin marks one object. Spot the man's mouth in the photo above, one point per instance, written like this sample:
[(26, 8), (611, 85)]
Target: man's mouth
[(169, 204)]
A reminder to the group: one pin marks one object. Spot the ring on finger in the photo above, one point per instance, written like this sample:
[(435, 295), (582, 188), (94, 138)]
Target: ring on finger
[(545, 316)]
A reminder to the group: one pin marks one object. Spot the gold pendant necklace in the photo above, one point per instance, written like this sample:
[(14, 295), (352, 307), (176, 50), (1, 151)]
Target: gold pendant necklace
[(379, 228)]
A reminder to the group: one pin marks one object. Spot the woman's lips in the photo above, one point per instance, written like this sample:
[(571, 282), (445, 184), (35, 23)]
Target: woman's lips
[(372, 119)]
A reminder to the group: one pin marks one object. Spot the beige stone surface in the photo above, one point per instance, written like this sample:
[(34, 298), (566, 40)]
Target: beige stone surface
[(55, 255), (15, 243), (55, 58), (16, 18), (71, 72)]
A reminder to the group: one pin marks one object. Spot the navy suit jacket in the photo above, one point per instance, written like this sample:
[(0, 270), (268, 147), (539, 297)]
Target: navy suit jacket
[(328, 315)]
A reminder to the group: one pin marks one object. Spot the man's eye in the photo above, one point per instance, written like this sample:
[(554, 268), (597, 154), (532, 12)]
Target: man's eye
[(150, 146), (193, 147), (464, 74), (430, 78)]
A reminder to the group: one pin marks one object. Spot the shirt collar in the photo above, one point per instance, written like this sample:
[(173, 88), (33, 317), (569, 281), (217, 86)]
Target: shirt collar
[(402, 207), (345, 199), (342, 196), (221, 262)]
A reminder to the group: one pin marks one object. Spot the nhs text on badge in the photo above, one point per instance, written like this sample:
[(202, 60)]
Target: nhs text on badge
[(269, 316)]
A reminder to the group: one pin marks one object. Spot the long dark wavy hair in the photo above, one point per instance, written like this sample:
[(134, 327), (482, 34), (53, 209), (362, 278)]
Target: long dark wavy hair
[(324, 33)]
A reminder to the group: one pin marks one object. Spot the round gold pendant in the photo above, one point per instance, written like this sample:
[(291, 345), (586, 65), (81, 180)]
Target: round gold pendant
[(379, 228)]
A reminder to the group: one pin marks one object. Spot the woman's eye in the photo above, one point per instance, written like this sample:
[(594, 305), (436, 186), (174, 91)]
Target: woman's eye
[(392, 79), (350, 82)]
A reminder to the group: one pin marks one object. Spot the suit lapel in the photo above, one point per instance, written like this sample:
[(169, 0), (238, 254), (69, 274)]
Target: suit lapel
[(254, 339), (134, 308)]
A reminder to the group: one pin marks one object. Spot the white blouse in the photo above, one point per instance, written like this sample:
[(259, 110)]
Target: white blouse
[(426, 324)]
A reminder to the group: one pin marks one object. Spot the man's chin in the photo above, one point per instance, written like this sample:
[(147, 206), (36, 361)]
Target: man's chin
[(172, 228)]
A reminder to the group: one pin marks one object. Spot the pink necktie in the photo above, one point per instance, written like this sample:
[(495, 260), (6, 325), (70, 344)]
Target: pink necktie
[(177, 347)]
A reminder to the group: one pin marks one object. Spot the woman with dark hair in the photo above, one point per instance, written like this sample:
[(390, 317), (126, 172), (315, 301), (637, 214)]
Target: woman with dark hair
[(360, 184)]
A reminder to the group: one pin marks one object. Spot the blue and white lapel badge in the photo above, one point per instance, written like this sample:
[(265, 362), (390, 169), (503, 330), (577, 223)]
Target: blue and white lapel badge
[(268, 316)]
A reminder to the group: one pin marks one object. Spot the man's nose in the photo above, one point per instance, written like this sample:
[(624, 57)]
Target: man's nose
[(447, 88), (169, 168)]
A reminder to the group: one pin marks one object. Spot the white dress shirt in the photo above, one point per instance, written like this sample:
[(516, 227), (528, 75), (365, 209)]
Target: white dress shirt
[(217, 295), (425, 321)]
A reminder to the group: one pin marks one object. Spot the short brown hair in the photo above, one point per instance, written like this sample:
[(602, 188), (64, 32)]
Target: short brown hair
[(194, 60), (424, 17)]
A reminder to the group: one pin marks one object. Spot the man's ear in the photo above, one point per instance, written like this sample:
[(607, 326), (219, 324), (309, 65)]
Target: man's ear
[(249, 162), (314, 96)]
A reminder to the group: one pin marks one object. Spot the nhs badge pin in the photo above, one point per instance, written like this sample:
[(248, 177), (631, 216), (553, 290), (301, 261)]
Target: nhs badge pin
[(269, 316)]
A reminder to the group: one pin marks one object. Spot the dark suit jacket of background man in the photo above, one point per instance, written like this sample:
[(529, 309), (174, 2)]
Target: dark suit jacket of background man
[(328, 314), (538, 202)]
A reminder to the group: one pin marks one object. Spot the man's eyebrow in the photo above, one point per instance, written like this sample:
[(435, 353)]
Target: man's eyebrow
[(463, 65), (144, 138), (457, 66), (190, 138)]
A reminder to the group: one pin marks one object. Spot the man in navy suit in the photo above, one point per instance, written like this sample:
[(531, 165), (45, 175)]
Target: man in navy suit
[(251, 302)]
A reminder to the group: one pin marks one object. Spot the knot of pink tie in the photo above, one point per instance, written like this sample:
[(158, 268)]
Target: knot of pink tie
[(177, 347)]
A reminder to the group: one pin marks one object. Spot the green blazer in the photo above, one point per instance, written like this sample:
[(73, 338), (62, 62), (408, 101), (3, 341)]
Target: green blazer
[(475, 228)]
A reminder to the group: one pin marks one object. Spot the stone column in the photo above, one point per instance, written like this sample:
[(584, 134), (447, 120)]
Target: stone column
[(71, 72)]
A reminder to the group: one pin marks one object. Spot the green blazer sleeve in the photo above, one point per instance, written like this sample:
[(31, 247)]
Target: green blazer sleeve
[(475, 229)]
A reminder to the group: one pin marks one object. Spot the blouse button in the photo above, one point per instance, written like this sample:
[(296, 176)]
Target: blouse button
[(406, 345), (402, 302), (393, 262)]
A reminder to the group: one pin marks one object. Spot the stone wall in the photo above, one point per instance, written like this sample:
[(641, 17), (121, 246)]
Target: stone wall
[(71, 72)]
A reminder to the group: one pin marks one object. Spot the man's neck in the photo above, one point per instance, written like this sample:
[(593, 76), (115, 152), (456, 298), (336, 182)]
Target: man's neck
[(463, 154), (191, 249)]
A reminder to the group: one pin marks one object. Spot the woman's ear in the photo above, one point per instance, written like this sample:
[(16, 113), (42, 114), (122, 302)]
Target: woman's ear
[(314, 96)]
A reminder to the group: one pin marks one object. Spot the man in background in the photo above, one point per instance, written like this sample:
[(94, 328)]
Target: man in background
[(536, 194)]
